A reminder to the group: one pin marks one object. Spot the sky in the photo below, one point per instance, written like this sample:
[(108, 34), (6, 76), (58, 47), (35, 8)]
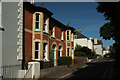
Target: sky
[(81, 15)]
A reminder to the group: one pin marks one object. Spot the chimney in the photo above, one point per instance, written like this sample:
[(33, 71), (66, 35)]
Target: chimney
[(41, 4), (78, 30)]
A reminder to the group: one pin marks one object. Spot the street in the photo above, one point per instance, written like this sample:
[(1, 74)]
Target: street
[(104, 69)]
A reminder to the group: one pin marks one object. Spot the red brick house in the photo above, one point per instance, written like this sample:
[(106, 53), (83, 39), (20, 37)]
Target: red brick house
[(45, 38)]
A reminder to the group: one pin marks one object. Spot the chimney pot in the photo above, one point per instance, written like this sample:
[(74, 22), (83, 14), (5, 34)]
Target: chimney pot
[(78, 30)]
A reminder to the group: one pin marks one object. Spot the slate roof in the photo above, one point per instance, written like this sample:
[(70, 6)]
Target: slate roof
[(79, 35)]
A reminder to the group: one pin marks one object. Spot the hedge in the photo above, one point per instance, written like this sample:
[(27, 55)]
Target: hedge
[(65, 61)]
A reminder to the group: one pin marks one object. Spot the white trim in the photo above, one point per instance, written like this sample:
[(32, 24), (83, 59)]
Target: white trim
[(62, 35), (20, 31), (53, 29), (67, 51)]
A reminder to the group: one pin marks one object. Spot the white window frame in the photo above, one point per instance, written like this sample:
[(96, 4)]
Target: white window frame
[(45, 24), (53, 30), (75, 36), (37, 21), (38, 51), (71, 36), (72, 52), (61, 35), (60, 50), (45, 51)]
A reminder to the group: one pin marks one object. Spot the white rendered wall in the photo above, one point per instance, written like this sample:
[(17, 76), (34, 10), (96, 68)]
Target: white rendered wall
[(0, 41), (105, 52), (81, 41), (90, 44), (84, 42), (98, 49)]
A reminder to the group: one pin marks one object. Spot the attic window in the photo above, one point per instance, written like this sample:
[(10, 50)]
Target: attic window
[(75, 36)]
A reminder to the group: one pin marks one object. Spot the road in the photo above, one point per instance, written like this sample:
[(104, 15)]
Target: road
[(103, 69)]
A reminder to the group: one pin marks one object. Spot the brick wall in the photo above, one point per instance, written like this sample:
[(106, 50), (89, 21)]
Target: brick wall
[(28, 36)]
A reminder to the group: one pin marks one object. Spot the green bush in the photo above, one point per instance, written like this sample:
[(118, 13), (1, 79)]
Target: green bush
[(84, 52), (51, 63), (65, 61)]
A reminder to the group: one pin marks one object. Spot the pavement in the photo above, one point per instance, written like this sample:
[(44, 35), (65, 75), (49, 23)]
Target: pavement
[(98, 69)]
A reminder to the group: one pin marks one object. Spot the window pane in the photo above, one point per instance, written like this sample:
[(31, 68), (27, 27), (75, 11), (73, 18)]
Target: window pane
[(58, 53), (44, 27), (37, 17), (37, 25), (36, 54), (67, 51), (67, 35), (36, 45), (52, 31)]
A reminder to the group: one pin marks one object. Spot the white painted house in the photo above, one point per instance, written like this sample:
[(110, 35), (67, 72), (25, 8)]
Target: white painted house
[(80, 39), (93, 44), (98, 46), (11, 42), (8, 39)]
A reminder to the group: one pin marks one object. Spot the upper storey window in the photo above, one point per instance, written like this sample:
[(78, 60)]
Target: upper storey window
[(52, 31), (37, 21), (68, 35), (45, 24)]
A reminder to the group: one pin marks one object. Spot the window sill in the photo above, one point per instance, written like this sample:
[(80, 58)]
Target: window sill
[(53, 37), (2, 28), (46, 32), (37, 30), (62, 40), (45, 60)]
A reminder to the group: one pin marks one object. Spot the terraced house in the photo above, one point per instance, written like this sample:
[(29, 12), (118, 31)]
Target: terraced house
[(45, 38)]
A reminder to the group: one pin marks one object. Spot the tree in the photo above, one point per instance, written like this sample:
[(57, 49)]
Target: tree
[(106, 31), (84, 52), (111, 11)]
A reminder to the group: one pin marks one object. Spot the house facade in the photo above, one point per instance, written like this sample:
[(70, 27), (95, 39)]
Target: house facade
[(80, 39), (45, 38), (98, 46), (93, 44), (8, 39)]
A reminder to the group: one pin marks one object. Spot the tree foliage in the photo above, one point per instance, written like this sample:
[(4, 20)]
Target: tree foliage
[(111, 11), (106, 31), (84, 52)]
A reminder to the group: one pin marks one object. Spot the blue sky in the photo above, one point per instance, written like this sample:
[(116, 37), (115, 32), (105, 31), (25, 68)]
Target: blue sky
[(81, 15)]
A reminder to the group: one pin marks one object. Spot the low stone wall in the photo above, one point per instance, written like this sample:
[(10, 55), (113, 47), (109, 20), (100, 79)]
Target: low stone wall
[(79, 60), (52, 71)]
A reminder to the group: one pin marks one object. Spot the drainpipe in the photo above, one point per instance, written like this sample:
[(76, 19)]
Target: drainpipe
[(1, 27), (1, 30)]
